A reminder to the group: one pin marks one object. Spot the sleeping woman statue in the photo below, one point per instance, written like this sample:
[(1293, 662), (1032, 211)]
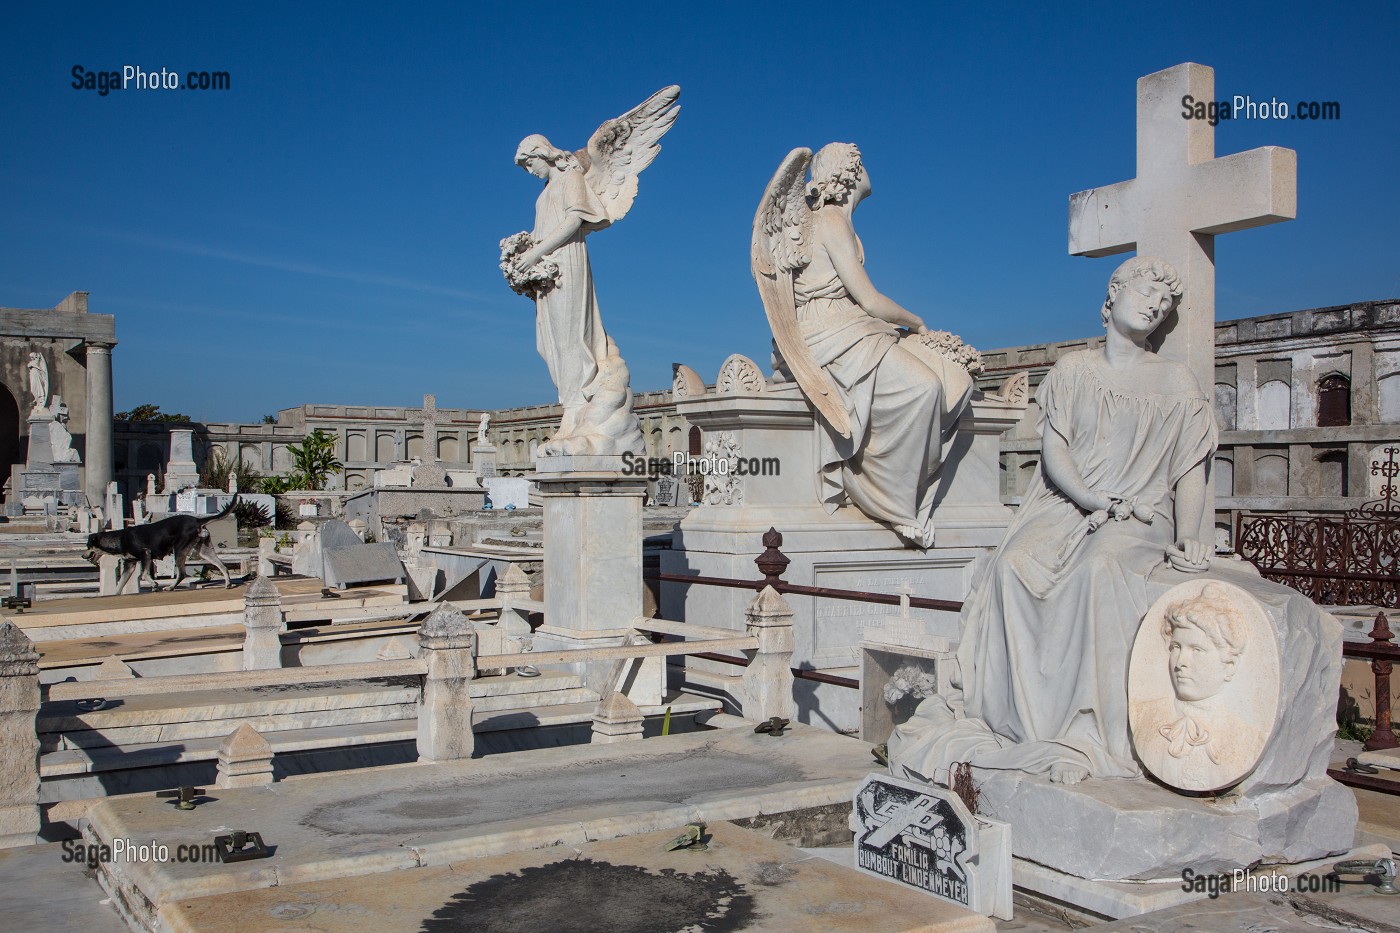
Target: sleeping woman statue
[(1048, 629)]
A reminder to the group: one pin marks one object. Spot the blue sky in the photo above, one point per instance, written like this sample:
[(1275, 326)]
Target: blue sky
[(326, 230)]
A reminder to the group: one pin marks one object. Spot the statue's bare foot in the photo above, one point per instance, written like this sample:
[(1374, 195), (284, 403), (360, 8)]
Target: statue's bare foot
[(919, 537), (1067, 774)]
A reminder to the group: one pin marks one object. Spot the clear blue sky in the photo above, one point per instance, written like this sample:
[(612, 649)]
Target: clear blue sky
[(326, 230)]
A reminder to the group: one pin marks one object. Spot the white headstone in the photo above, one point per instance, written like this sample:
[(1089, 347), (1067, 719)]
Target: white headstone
[(508, 492)]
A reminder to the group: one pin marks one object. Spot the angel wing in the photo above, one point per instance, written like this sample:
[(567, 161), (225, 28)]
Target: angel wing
[(782, 247), (621, 148)]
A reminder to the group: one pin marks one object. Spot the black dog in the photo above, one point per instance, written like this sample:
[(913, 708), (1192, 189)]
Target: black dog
[(143, 545)]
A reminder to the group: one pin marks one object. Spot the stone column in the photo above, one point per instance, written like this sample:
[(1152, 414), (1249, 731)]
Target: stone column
[(1364, 407), (263, 619), (448, 643), (768, 679), (19, 743), (97, 448), (245, 759)]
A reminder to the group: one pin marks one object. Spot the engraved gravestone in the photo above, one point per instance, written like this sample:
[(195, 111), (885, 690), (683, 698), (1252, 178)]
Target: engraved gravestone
[(924, 837), (668, 491)]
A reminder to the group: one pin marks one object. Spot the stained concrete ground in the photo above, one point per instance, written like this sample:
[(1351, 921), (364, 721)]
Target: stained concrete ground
[(426, 817), (40, 891)]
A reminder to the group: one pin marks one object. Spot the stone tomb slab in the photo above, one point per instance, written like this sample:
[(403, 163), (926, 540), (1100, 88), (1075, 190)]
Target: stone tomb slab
[(359, 823), (742, 881), (362, 563)]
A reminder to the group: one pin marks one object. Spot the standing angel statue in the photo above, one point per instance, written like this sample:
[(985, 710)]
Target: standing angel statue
[(584, 191), (39, 383), (888, 399)]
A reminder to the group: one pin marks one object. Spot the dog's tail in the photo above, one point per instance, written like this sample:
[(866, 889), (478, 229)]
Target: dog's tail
[(227, 509)]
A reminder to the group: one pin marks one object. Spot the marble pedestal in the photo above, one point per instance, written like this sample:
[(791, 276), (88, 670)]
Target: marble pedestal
[(844, 550), (593, 567), (484, 460), (40, 480), (180, 471)]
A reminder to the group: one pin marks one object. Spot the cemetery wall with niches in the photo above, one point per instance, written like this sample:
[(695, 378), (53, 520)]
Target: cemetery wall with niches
[(1305, 400)]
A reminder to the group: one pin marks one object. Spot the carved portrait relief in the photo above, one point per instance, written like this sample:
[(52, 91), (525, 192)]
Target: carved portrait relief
[(1203, 686)]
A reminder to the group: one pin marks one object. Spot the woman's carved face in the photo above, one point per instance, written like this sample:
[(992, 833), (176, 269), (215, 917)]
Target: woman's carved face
[(1139, 307), (1198, 668), (536, 165)]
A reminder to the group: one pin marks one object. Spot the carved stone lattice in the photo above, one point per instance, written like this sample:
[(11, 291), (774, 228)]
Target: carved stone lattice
[(722, 484), (687, 382), (741, 375), (1016, 389)]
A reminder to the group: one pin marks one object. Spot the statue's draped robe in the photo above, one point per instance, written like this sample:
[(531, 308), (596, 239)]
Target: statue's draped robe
[(568, 329), (1048, 628), (898, 409)]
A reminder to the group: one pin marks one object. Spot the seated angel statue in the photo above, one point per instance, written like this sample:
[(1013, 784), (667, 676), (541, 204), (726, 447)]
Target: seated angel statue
[(886, 394), (1049, 627)]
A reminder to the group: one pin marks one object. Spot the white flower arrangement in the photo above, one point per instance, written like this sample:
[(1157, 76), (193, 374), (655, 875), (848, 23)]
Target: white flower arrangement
[(952, 346), (534, 281)]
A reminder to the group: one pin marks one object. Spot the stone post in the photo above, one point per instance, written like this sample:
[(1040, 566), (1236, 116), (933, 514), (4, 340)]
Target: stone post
[(109, 575), (97, 448), (617, 719), (768, 679), (19, 743), (448, 643), (266, 548), (263, 619), (512, 587), (245, 759)]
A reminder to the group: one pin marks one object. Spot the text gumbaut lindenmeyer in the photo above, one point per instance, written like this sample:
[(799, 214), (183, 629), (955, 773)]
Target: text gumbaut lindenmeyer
[(911, 866)]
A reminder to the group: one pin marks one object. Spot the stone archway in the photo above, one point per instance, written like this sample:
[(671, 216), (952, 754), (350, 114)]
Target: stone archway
[(9, 432)]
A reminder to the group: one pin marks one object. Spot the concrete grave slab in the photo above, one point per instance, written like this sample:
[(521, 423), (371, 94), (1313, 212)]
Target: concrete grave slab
[(634, 885), (412, 816)]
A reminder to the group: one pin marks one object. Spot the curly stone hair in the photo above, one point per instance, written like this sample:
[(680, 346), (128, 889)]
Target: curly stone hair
[(835, 170), (1214, 615)]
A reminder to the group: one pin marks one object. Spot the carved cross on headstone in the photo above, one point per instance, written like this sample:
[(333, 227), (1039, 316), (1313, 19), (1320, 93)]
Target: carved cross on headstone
[(428, 413), (1181, 198)]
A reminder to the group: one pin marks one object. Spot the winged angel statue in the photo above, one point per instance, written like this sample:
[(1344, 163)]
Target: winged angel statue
[(584, 191), (887, 391)]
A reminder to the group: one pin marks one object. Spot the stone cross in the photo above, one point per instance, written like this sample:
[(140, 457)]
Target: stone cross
[(1181, 198), (429, 415)]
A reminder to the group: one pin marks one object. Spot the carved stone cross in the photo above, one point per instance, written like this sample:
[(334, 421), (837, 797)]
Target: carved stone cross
[(1181, 198), (428, 413)]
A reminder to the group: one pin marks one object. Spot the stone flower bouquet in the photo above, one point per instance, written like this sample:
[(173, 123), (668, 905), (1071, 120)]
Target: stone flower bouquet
[(952, 347), (536, 280)]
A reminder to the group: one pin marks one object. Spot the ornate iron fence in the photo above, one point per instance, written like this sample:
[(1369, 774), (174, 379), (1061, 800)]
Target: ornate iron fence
[(1352, 559)]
